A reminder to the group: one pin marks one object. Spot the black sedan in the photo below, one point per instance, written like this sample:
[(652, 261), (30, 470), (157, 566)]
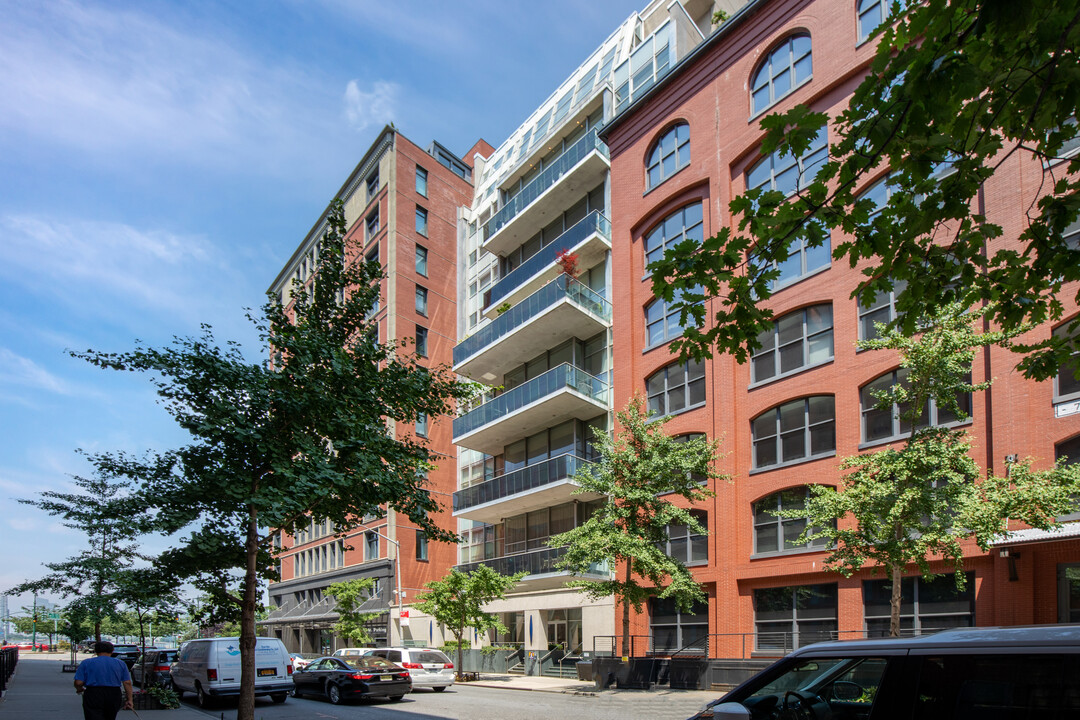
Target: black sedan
[(128, 653), (158, 667), (362, 677)]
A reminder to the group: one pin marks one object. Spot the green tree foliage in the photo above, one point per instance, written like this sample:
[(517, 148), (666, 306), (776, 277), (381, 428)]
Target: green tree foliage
[(957, 90), (352, 624), (105, 509), (24, 623), (907, 505), (457, 601), (308, 435), (640, 470)]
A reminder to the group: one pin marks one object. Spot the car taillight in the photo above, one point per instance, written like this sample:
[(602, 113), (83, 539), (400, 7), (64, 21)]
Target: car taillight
[(412, 666), (211, 674), (361, 677), (288, 669), (403, 676), (162, 668), (448, 666)]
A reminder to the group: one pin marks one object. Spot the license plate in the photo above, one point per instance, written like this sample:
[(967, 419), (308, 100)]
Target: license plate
[(267, 672), (386, 678)]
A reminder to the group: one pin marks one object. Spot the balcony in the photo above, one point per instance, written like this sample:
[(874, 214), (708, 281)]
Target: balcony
[(515, 493), (562, 393), (562, 309), (589, 239), (578, 170), (540, 564)]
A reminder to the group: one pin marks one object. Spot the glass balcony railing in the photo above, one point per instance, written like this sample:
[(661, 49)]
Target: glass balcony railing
[(559, 378), (559, 167), (594, 222), (518, 481), (559, 288), (534, 562)]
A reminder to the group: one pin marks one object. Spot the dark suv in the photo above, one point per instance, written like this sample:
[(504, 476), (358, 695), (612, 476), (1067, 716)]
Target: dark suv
[(983, 673), (128, 653)]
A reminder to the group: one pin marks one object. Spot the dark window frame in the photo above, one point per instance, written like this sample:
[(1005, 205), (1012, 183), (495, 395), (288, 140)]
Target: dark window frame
[(899, 432), (772, 348), (779, 432), (778, 524), (693, 373)]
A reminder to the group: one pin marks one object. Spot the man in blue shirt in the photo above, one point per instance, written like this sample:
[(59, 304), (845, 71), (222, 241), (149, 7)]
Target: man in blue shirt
[(99, 680)]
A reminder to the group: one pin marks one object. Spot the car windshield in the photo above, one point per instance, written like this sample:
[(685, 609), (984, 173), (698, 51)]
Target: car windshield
[(834, 684), (125, 648), (371, 661), (430, 657)]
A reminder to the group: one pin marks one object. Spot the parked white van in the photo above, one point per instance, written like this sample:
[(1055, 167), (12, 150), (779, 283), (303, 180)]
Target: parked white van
[(210, 668)]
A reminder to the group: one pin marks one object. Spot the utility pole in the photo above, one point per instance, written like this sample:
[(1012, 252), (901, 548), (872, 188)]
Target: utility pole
[(397, 566)]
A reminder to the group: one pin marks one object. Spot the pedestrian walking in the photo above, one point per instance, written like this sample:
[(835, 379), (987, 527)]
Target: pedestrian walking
[(100, 680)]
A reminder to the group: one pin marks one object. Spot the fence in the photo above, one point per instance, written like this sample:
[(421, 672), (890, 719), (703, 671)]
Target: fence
[(9, 657)]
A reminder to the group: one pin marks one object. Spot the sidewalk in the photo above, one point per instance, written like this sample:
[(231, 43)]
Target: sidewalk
[(38, 690), (569, 686)]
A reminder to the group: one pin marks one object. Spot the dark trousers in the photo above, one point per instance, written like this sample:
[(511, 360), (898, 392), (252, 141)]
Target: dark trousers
[(102, 703)]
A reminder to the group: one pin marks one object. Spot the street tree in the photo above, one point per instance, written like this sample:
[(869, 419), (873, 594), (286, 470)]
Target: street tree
[(106, 510), (910, 505), (310, 434), (639, 471), (957, 91), (457, 601), (146, 591), (349, 596)]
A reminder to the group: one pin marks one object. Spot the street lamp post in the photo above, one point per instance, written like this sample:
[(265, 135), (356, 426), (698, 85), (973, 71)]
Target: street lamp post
[(397, 567)]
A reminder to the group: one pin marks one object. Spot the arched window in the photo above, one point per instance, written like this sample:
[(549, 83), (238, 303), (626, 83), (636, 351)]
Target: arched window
[(1069, 451), (1067, 382), (871, 13), (797, 340), (775, 534), (787, 67), (683, 224), (676, 387), (878, 309), (670, 154), (883, 425), (800, 430)]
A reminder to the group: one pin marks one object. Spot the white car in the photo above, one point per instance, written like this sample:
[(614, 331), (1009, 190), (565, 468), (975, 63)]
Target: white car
[(428, 667), (346, 653), (299, 662)]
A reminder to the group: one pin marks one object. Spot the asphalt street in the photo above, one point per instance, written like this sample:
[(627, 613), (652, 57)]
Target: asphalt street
[(484, 703)]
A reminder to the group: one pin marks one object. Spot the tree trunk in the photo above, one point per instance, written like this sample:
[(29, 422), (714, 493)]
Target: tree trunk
[(894, 603), (626, 617), (245, 709), (460, 652)]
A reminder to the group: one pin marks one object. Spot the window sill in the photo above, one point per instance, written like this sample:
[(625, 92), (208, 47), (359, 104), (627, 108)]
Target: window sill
[(789, 374), (796, 281), (763, 111), (905, 436), (678, 412), (789, 463), (649, 348), (785, 553), (663, 181)]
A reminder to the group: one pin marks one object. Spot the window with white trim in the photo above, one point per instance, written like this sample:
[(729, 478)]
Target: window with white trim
[(799, 430), (670, 154), (797, 340), (371, 546), (676, 387), (1067, 382), (787, 67), (871, 13), (683, 224), (776, 534), (884, 425)]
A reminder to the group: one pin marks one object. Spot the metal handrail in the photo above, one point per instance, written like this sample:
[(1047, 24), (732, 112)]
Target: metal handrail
[(531, 477)]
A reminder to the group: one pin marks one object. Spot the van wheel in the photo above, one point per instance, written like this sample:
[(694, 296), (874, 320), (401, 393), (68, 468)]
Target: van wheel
[(279, 697), (202, 698), (333, 694)]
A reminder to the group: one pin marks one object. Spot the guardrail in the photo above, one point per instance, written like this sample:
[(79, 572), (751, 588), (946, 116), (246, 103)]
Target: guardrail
[(9, 658)]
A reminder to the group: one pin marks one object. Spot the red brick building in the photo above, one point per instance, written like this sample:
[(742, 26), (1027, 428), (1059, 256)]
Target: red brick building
[(401, 205), (680, 152)]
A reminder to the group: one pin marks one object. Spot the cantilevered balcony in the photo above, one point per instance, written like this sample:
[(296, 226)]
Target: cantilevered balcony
[(562, 393), (574, 173), (562, 309), (589, 239), (540, 564), (524, 490)]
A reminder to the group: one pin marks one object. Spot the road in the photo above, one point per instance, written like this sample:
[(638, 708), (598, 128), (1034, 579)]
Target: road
[(481, 703)]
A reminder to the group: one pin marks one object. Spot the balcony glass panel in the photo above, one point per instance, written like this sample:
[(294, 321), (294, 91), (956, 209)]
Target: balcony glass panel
[(535, 562), (594, 222), (574, 154), (528, 478), (559, 288), (554, 380)]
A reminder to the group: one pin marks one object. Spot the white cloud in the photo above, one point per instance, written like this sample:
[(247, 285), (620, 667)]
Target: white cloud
[(25, 373), (364, 109)]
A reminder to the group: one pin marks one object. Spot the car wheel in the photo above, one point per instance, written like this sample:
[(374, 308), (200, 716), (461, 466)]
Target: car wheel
[(395, 698), (333, 694), (202, 698), (439, 688), (279, 697)]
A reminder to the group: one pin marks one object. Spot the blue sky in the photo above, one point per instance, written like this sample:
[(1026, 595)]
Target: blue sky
[(160, 161)]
